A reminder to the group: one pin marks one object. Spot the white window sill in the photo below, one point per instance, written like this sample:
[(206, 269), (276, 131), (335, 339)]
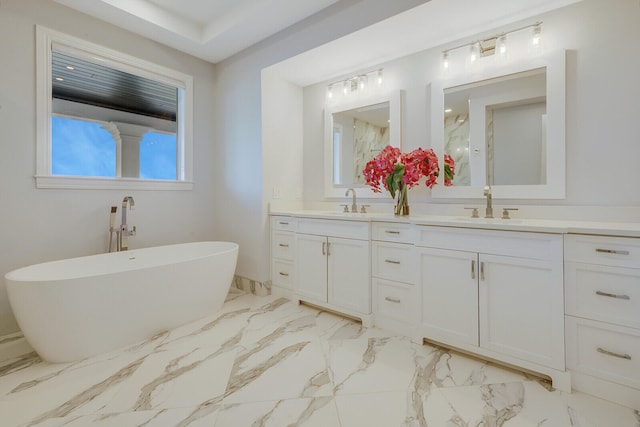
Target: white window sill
[(97, 183)]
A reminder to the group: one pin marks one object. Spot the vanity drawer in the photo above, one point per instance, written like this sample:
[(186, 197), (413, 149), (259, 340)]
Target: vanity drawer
[(396, 300), (282, 245), (282, 273), (391, 232), (393, 261), (543, 246), (603, 250), (283, 223), (606, 351), (335, 228), (609, 294)]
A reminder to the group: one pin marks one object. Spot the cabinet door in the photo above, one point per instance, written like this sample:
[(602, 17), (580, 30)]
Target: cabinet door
[(349, 274), (449, 282), (311, 264), (521, 308)]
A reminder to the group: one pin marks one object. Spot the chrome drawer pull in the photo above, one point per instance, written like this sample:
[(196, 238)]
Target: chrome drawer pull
[(612, 251), (283, 223), (611, 353), (607, 294), (284, 274), (391, 232), (482, 271), (390, 261), (396, 300), (282, 245), (473, 269)]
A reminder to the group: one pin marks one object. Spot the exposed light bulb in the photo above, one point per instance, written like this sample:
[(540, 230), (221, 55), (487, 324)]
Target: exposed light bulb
[(330, 92), (501, 45), (474, 52), (501, 52), (362, 82), (445, 61), (535, 39), (379, 79), (535, 47)]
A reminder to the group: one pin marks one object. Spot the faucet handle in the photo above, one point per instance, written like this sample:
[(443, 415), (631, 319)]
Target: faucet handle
[(346, 208), (363, 208), (474, 213), (505, 212)]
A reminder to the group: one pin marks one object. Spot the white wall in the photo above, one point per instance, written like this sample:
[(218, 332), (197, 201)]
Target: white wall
[(602, 94), (242, 178), (38, 225)]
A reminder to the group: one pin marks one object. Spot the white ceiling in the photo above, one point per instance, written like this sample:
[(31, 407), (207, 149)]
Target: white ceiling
[(209, 29), (216, 29)]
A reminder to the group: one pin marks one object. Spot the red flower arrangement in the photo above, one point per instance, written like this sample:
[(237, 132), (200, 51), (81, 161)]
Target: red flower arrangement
[(397, 172)]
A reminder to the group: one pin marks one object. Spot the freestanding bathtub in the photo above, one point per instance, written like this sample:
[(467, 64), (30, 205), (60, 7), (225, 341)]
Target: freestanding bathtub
[(79, 307)]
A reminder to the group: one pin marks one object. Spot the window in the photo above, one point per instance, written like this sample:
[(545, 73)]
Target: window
[(108, 120)]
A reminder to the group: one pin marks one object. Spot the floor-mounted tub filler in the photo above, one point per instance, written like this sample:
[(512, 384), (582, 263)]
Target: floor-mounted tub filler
[(79, 307)]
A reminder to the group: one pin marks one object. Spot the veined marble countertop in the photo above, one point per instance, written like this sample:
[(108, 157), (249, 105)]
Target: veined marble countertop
[(624, 229)]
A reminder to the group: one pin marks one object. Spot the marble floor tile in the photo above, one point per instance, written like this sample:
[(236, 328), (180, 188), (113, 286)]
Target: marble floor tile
[(269, 362), (307, 412)]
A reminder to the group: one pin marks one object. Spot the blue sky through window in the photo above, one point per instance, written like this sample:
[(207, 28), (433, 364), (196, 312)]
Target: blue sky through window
[(158, 156), (84, 148), (81, 148)]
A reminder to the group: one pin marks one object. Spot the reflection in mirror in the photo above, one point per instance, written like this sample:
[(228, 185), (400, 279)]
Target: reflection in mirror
[(355, 131), (496, 130), (506, 128), (359, 135)]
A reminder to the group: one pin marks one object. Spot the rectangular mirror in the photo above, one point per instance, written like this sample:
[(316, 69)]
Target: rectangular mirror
[(504, 128), (354, 134)]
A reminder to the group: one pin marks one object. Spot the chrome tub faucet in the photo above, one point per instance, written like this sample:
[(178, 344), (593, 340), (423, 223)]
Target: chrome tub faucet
[(124, 232)]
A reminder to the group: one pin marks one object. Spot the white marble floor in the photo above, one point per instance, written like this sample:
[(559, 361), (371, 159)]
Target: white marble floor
[(267, 362)]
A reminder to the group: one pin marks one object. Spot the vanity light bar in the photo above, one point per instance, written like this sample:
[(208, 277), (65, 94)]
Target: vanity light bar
[(358, 82), (491, 45)]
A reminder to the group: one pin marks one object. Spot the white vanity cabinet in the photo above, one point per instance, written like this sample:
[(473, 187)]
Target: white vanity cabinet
[(496, 293), (333, 265), (396, 296), (283, 253), (602, 281)]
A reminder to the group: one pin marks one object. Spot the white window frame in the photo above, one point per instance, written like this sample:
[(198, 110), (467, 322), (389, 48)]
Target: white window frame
[(45, 41)]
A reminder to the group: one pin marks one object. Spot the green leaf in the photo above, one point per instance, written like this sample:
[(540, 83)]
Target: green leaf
[(394, 178)]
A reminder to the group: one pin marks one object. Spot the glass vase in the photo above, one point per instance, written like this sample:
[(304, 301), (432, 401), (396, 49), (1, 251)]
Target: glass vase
[(402, 206)]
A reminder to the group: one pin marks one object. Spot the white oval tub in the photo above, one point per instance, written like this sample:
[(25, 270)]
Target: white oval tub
[(79, 307)]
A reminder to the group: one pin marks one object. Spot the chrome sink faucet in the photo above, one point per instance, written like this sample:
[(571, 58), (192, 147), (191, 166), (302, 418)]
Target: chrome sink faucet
[(124, 232), (354, 206), (489, 210)]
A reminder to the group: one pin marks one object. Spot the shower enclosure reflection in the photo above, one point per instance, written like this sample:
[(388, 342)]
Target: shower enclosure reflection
[(496, 130)]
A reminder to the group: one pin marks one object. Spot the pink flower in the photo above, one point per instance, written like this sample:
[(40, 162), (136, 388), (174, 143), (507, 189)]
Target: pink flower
[(390, 166), (378, 168), (449, 170)]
